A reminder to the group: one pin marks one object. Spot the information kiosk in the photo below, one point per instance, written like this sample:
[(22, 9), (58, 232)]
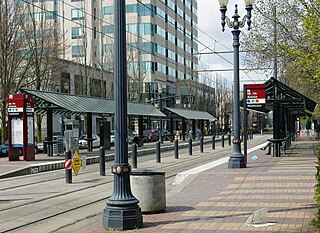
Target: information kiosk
[(20, 127)]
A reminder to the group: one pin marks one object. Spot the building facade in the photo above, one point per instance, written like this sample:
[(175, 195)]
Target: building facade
[(161, 40)]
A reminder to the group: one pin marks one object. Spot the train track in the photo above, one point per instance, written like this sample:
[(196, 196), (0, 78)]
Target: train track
[(45, 196)]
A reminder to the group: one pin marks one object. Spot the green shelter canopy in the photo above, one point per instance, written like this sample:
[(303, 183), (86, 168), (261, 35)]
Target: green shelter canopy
[(192, 114), (62, 103)]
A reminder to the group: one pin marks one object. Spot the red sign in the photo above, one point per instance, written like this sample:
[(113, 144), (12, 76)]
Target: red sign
[(256, 94)]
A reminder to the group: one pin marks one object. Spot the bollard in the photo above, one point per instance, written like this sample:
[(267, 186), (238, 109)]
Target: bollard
[(242, 137), (229, 139), (190, 146), (134, 155), (158, 153), (102, 161), (222, 140), (213, 142), (201, 144), (176, 149), (68, 166)]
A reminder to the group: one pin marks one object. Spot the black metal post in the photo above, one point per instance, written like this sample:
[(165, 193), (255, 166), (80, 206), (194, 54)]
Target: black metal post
[(171, 128), (49, 133), (158, 152), (213, 142), (68, 166), (201, 144), (222, 140), (184, 129), (190, 146), (134, 155), (102, 161), (160, 129), (276, 128), (89, 131), (122, 211), (229, 139), (193, 129), (140, 128), (176, 149)]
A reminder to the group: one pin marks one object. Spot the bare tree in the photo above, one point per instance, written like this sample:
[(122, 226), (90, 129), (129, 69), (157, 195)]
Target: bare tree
[(14, 57)]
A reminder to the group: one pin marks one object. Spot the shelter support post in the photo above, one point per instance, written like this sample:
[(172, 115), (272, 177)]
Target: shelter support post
[(89, 131), (49, 133)]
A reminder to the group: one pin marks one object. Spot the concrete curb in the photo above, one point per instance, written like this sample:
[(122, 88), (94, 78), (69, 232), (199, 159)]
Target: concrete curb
[(56, 165)]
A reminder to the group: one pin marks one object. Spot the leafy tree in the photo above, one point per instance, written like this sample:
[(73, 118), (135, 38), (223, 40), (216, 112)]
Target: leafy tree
[(285, 33)]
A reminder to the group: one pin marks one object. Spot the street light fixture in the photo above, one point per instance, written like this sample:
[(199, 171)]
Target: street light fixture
[(237, 159)]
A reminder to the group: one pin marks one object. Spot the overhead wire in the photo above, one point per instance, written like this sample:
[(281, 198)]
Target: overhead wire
[(106, 34)]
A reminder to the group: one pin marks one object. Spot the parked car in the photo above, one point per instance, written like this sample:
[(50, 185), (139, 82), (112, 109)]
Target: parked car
[(40, 147), (151, 135), (112, 138), (83, 141), (4, 148), (132, 137)]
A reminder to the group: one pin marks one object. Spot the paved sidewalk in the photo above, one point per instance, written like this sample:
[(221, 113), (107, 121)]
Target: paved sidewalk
[(221, 199)]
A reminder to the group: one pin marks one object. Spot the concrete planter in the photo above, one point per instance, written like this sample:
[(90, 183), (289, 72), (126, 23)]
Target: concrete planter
[(149, 188)]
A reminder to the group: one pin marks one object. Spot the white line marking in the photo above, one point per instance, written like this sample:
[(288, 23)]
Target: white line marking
[(183, 175)]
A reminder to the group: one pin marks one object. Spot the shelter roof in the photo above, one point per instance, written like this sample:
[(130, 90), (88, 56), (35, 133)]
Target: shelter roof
[(192, 114), (62, 103)]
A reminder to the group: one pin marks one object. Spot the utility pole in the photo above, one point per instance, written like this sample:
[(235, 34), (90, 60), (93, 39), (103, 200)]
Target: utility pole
[(275, 42)]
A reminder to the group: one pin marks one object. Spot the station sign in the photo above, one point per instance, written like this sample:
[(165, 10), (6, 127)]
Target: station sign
[(255, 95)]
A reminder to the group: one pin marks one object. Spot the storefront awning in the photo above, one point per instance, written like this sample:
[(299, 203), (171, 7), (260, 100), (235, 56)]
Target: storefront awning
[(192, 114), (61, 103)]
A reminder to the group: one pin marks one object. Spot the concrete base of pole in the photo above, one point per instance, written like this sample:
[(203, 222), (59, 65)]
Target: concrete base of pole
[(237, 162), (128, 218)]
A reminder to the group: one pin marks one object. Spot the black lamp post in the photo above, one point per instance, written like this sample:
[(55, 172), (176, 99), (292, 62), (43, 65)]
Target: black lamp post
[(237, 159), (160, 108), (122, 211)]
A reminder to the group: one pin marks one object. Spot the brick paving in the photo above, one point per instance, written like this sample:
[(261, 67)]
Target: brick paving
[(221, 199)]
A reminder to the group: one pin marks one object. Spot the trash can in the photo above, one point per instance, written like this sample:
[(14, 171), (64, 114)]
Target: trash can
[(148, 186)]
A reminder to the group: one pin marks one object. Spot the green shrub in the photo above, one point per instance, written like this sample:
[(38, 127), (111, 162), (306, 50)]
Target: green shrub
[(316, 221)]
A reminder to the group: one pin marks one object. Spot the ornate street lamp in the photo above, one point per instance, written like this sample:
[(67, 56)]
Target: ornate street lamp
[(122, 211), (237, 159)]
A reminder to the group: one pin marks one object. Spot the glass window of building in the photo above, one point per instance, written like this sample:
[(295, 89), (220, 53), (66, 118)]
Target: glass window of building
[(77, 32), (146, 29), (147, 47), (107, 10), (78, 51), (171, 4), (159, 30), (77, 14), (180, 11), (160, 13), (108, 29), (146, 10)]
